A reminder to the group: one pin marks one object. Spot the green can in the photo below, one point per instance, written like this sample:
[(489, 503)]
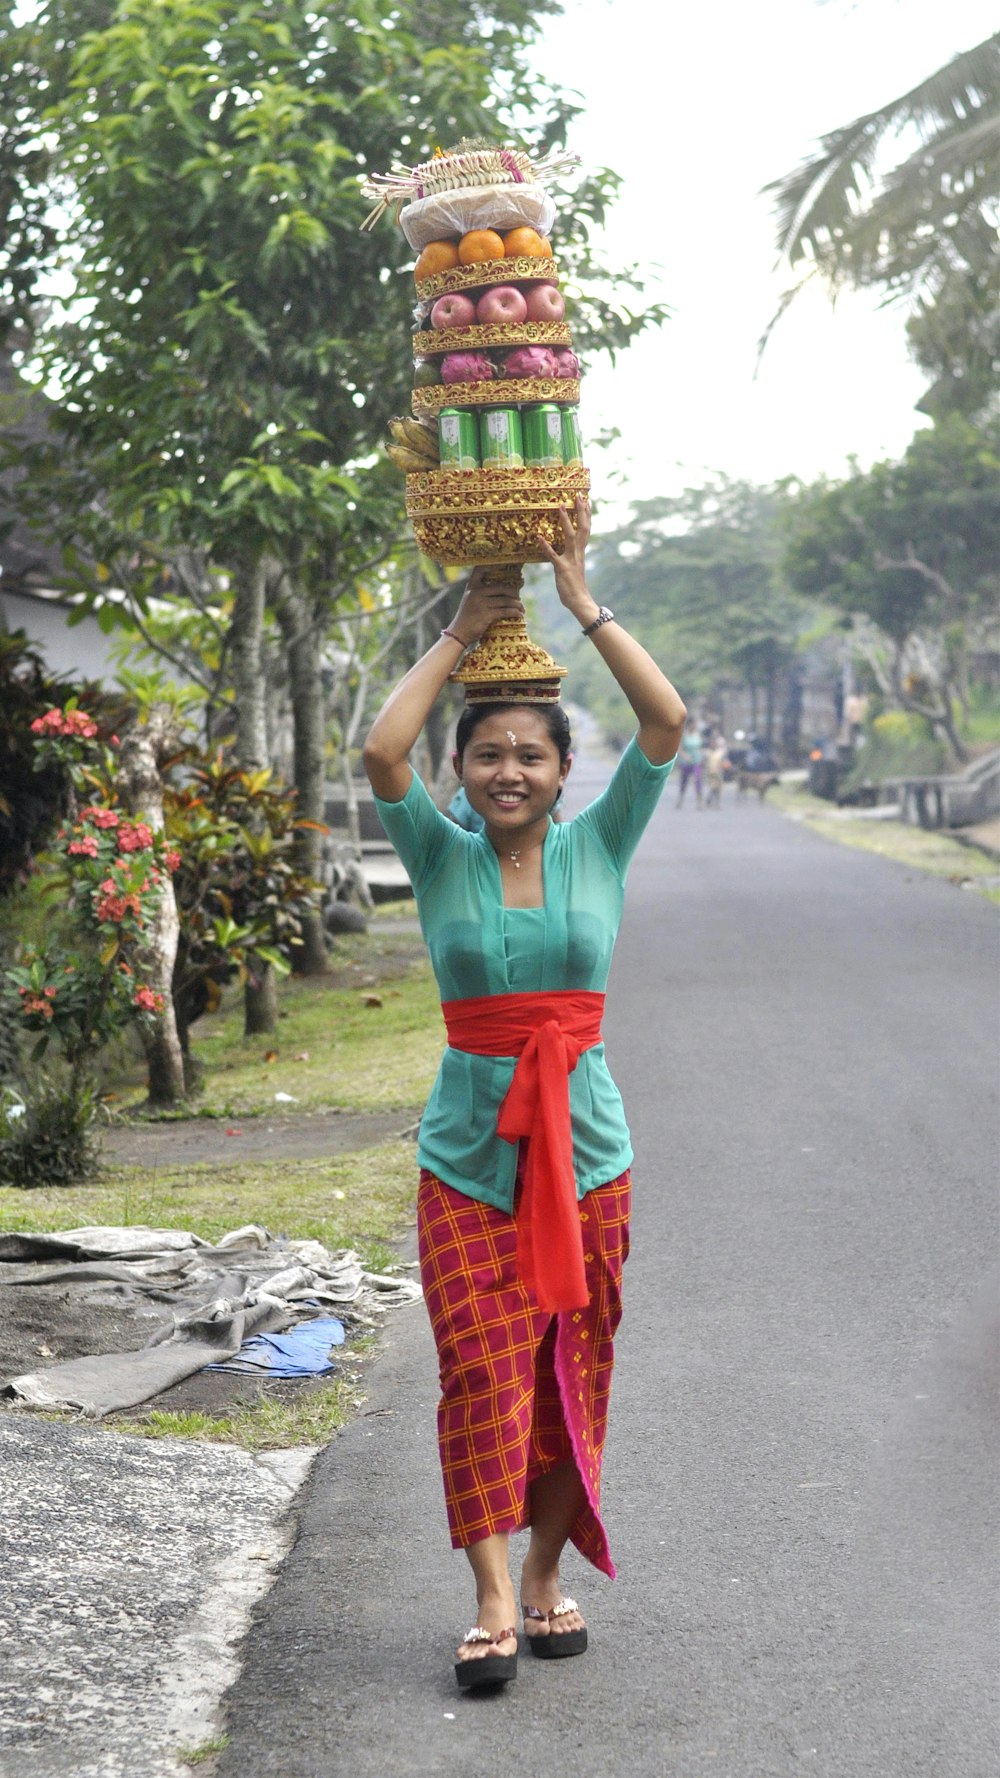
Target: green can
[(458, 438), (572, 443), (543, 436), (501, 444)]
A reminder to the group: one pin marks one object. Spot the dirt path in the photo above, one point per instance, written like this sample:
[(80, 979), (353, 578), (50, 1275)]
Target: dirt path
[(308, 1136)]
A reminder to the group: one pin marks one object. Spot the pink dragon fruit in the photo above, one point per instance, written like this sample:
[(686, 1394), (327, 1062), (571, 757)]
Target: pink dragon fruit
[(567, 363), (466, 367), (530, 361)]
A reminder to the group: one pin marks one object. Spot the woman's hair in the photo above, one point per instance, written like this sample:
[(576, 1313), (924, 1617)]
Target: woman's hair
[(553, 716)]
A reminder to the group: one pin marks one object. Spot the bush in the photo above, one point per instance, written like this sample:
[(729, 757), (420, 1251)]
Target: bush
[(48, 1139), (32, 794), (897, 744)]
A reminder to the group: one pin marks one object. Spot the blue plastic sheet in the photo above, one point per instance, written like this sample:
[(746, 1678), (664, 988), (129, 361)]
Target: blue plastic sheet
[(303, 1351)]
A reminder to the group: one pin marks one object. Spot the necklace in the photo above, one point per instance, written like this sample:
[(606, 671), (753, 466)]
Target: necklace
[(515, 858)]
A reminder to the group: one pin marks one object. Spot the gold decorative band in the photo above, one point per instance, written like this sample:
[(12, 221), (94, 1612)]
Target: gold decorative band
[(463, 339), (521, 270), (505, 392), (461, 519), (492, 490)]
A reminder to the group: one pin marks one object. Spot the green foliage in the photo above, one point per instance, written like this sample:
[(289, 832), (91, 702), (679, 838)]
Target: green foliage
[(48, 1139), (240, 895), (697, 578), (898, 744), (909, 542), (236, 345)]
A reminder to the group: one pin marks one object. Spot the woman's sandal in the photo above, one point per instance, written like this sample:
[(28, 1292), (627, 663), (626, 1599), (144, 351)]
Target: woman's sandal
[(555, 1647), (487, 1669)]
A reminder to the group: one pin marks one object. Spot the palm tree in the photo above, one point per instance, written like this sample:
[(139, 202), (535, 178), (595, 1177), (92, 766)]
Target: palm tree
[(923, 228)]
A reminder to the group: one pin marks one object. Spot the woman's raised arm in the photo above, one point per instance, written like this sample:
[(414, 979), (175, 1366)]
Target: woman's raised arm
[(401, 718), (657, 704)]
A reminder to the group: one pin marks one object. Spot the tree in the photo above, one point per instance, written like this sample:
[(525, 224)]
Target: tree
[(697, 578), (914, 547), (234, 345), (923, 229)]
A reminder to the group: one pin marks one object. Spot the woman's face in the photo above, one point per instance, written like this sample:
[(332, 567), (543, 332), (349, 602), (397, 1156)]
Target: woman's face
[(511, 769)]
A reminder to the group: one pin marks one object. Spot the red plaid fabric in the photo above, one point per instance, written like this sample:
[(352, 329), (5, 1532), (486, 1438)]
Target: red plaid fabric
[(521, 1390)]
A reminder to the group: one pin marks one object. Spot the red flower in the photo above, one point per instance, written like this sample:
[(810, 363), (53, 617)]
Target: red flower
[(135, 838), (34, 1003), (85, 848), (114, 904), (172, 860), (148, 1000), (49, 724), (77, 722), (100, 817)]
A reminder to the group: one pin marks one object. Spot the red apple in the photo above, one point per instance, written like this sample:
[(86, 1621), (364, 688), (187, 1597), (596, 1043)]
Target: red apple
[(504, 303), (544, 303), (454, 310)]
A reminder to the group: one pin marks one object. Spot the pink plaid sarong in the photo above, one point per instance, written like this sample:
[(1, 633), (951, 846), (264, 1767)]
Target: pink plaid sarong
[(521, 1390)]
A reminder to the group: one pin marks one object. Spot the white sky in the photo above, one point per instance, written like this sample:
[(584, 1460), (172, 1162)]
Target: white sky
[(699, 105)]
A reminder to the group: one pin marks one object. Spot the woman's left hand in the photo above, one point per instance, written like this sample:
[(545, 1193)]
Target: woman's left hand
[(570, 569)]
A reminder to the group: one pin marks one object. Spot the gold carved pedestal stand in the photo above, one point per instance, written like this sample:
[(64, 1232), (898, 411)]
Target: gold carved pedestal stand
[(506, 666)]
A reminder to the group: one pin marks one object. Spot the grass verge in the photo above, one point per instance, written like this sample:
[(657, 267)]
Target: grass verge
[(367, 1037), (310, 1417), (355, 1200), (934, 852)]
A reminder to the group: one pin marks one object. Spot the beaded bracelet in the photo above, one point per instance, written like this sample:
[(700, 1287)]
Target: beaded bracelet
[(455, 638)]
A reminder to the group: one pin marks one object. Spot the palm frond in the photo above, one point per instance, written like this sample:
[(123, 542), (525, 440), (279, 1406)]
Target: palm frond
[(955, 111)]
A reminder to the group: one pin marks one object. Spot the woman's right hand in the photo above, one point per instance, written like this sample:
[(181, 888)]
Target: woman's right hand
[(485, 600)]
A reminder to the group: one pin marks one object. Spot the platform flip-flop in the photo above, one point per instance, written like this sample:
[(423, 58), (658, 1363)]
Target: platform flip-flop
[(555, 1647), (495, 1669)]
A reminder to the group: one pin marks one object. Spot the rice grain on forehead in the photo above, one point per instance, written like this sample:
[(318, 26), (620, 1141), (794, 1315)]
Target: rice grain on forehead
[(552, 716)]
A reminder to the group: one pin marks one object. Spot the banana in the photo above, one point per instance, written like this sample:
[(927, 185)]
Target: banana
[(413, 436), (410, 462), (423, 438)]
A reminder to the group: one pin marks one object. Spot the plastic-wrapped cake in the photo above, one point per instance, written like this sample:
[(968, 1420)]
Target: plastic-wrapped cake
[(492, 450)]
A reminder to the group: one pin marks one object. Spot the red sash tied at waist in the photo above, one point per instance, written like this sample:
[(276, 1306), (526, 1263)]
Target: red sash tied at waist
[(548, 1034)]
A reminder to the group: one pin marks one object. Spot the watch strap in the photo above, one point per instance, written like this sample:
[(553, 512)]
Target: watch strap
[(604, 616)]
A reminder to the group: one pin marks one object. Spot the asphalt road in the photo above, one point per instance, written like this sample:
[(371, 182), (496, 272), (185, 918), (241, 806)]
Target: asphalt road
[(799, 1480)]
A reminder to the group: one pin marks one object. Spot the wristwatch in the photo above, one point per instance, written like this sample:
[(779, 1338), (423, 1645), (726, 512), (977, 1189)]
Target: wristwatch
[(604, 616)]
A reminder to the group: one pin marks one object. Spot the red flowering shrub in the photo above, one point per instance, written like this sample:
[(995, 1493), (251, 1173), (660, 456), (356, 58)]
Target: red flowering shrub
[(112, 868)]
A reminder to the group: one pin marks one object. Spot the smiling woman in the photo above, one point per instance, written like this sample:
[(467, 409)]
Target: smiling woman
[(524, 1151)]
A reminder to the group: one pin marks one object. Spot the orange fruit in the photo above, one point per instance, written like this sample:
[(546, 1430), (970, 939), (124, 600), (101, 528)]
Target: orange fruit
[(437, 256), (480, 244), (525, 243), (546, 247)]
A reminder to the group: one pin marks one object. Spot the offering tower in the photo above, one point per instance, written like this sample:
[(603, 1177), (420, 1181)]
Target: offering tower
[(491, 451)]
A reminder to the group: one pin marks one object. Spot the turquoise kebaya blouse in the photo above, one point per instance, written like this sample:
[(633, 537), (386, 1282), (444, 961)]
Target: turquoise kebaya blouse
[(477, 947)]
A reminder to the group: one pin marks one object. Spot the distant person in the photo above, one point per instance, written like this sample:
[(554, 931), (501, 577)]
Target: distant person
[(738, 750), (715, 769), (759, 757), (690, 762), (855, 711), (463, 814)]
